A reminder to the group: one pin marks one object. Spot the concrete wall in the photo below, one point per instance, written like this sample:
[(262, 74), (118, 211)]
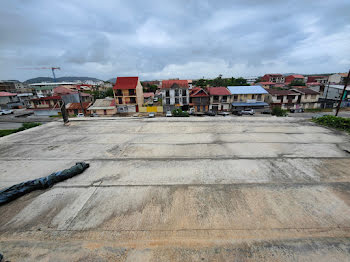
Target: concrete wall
[(148, 109)]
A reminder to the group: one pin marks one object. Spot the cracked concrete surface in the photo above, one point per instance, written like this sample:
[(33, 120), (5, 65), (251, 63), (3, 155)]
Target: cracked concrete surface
[(193, 189)]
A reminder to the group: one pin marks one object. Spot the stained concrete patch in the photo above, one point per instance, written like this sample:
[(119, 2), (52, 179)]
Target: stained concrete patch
[(195, 189)]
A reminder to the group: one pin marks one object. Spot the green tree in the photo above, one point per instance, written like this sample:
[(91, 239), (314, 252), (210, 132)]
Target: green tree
[(297, 82)]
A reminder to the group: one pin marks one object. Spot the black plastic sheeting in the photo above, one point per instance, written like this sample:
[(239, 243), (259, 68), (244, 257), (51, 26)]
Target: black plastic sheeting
[(21, 189)]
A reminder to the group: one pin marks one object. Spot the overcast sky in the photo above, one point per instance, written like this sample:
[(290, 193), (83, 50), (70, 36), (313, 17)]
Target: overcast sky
[(159, 39)]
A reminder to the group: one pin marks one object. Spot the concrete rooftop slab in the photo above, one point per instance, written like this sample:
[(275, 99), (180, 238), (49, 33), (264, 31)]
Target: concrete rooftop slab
[(193, 189)]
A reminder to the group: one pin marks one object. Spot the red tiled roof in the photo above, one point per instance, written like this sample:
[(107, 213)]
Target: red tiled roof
[(306, 91), (273, 75), (126, 83), (60, 90), (7, 94), (219, 91), (297, 76), (276, 92), (170, 83), (48, 98), (72, 106), (147, 95), (198, 92)]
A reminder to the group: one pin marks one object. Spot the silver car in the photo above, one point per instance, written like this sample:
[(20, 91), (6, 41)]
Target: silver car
[(168, 114)]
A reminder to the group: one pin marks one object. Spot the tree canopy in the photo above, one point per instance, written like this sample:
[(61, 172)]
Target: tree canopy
[(219, 81)]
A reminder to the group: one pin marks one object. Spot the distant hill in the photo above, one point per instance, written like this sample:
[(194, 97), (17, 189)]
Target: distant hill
[(112, 80), (60, 79)]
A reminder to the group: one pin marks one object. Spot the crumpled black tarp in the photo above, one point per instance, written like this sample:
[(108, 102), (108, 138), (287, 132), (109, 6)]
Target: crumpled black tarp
[(21, 189)]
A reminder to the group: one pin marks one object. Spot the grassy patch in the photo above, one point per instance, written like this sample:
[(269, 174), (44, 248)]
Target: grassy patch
[(25, 126), (337, 122)]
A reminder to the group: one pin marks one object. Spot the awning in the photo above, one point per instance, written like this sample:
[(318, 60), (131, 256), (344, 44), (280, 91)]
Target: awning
[(250, 104)]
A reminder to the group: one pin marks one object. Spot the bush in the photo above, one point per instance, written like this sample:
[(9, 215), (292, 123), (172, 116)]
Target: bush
[(277, 111), (334, 121), (180, 113)]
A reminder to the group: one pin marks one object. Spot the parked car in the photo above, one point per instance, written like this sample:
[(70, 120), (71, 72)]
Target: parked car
[(151, 115), (6, 112), (80, 115), (224, 113), (198, 113), (237, 112), (155, 99), (94, 115), (266, 111), (297, 110), (210, 113), (168, 114), (248, 111)]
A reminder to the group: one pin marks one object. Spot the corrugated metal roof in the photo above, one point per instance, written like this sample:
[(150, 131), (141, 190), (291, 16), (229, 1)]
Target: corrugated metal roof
[(238, 90)]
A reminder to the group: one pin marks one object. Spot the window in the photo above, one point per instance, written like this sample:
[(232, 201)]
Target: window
[(131, 92), (120, 100), (235, 97), (119, 92), (176, 92), (176, 100), (132, 100), (224, 99), (253, 96), (259, 98), (198, 108), (105, 112), (167, 94), (184, 100), (184, 92), (167, 101), (216, 98)]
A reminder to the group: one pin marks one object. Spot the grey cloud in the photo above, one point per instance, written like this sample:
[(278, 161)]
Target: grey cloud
[(108, 38)]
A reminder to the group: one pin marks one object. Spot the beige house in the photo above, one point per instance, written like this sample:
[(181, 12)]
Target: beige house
[(103, 107), (247, 97), (308, 98), (128, 94)]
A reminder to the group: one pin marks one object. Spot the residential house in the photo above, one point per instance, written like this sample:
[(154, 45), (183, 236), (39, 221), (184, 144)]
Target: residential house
[(9, 100), (103, 107), (76, 108), (330, 94), (275, 78), (10, 86), (248, 97), (175, 94), (318, 79), (219, 98), (50, 105), (308, 98), (43, 91), (286, 99), (25, 98), (199, 99), (148, 97), (294, 78), (338, 78), (72, 96), (128, 94)]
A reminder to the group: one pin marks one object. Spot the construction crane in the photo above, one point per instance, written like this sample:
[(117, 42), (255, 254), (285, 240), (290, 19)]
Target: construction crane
[(40, 68)]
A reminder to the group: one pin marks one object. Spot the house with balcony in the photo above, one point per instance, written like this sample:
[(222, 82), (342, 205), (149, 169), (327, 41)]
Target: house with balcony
[(128, 94), (275, 78), (219, 98), (243, 97), (9, 100), (294, 78), (317, 79), (199, 99), (175, 94), (46, 106), (286, 99), (308, 98)]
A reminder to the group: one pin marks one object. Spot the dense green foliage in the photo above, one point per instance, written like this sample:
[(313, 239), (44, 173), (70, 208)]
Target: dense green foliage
[(150, 88), (297, 82), (180, 113), (277, 111), (24, 127), (334, 121), (219, 81)]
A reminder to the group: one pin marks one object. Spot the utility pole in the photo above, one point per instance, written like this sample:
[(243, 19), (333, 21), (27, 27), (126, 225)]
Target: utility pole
[(325, 102), (341, 97)]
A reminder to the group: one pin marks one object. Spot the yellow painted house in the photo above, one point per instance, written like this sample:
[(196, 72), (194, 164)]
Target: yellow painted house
[(128, 94)]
